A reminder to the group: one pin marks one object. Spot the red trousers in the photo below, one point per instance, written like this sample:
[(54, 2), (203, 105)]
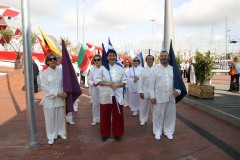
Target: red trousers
[(106, 112)]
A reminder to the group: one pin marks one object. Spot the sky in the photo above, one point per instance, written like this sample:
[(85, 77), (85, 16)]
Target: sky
[(198, 24)]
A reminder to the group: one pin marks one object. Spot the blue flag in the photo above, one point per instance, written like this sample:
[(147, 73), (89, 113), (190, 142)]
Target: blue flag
[(110, 46), (178, 81), (104, 58), (70, 81), (141, 58)]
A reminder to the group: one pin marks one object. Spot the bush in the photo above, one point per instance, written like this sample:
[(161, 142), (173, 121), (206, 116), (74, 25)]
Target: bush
[(203, 68)]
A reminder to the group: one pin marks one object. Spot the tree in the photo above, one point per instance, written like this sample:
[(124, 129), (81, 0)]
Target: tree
[(178, 59), (33, 40), (67, 42), (203, 68), (15, 40)]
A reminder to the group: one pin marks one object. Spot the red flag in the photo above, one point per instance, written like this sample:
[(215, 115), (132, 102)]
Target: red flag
[(44, 46)]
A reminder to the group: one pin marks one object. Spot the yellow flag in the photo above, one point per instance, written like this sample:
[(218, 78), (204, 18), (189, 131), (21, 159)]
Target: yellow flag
[(47, 40)]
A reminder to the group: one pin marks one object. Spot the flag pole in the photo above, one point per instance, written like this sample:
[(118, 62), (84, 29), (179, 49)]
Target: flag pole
[(30, 99), (65, 113), (168, 25)]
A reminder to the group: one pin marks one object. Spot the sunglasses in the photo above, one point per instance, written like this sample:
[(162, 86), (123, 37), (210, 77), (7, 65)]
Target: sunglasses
[(95, 60), (50, 59), (136, 60)]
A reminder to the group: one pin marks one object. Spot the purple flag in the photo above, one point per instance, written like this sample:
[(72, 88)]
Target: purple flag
[(70, 81)]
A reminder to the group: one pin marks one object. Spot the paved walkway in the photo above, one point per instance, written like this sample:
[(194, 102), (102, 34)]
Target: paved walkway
[(198, 135), (226, 105)]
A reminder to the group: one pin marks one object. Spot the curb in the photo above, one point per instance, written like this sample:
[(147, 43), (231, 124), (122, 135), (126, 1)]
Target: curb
[(217, 113)]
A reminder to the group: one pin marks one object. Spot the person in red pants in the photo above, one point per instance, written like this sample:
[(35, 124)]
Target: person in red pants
[(111, 82)]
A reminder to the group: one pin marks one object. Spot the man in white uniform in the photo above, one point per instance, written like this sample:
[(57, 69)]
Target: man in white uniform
[(163, 95), (144, 81)]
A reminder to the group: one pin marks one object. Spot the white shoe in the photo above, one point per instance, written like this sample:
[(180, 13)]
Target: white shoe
[(135, 113), (71, 123), (94, 123), (169, 136), (142, 123), (63, 136), (158, 137), (50, 141)]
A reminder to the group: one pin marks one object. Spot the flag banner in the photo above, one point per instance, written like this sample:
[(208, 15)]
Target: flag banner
[(84, 57), (104, 58), (81, 55), (178, 81), (48, 42), (45, 48), (110, 46), (70, 81), (140, 55)]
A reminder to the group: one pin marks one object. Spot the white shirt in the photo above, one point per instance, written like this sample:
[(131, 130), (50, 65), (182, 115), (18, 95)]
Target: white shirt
[(186, 66), (52, 83), (134, 71), (182, 66), (118, 76), (144, 81), (75, 67), (93, 75), (161, 86)]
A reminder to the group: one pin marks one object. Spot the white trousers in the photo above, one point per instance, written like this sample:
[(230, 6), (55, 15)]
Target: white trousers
[(145, 106), (95, 104), (164, 118), (126, 98), (75, 105), (69, 116), (134, 101), (54, 121)]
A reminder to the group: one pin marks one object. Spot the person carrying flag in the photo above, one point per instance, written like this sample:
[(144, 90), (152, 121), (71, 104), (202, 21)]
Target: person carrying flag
[(162, 94), (53, 101), (111, 79)]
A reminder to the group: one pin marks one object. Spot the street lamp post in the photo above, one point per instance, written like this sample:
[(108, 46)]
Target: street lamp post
[(152, 35), (227, 30), (77, 24), (227, 41), (83, 19)]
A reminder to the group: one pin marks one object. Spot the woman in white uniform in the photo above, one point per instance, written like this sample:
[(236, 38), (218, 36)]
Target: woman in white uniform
[(95, 89), (53, 100), (127, 64), (134, 98)]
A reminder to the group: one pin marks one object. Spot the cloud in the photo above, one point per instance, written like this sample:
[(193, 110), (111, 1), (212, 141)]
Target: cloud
[(197, 23), (198, 13)]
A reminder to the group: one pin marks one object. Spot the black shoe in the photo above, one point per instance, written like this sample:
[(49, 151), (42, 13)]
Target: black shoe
[(104, 139), (118, 138)]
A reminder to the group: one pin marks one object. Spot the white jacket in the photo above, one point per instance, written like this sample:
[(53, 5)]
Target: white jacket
[(161, 86)]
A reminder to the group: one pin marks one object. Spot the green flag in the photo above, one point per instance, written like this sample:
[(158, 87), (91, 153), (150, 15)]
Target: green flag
[(81, 56)]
